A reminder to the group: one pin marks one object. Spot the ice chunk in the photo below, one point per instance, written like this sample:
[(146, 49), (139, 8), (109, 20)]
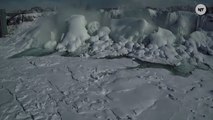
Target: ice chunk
[(50, 45), (53, 42), (161, 38), (104, 31), (93, 27), (170, 52), (200, 38), (129, 45), (201, 42), (152, 12)]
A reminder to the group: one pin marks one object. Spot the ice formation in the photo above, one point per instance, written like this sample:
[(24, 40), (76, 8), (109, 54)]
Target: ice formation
[(76, 34), (156, 36), (162, 38), (131, 29), (182, 23), (93, 27), (135, 65)]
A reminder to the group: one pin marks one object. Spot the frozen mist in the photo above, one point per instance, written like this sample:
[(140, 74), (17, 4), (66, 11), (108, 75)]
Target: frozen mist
[(117, 64)]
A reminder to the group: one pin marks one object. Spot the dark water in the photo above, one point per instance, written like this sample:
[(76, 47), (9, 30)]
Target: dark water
[(185, 69)]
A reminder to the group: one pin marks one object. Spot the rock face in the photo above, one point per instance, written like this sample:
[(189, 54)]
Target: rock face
[(3, 23), (206, 22)]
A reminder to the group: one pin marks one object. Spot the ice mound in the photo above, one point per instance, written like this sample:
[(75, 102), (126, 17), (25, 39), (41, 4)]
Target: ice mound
[(158, 37), (182, 23), (199, 41), (161, 38), (100, 42), (156, 47), (179, 22), (76, 35)]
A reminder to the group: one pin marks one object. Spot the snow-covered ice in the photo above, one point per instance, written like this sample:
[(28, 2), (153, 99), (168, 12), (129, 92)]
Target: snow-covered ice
[(153, 66)]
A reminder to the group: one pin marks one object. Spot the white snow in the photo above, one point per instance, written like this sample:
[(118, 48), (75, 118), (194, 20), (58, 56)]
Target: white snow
[(133, 69), (64, 87)]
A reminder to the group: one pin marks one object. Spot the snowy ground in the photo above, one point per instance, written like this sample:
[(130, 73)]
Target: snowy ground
[(66, 88), (102, 85)]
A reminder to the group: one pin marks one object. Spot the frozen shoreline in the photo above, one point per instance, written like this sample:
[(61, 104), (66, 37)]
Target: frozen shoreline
[(115, 76)]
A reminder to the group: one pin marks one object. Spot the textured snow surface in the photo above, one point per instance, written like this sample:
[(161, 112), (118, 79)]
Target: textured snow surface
[(64, 88)]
